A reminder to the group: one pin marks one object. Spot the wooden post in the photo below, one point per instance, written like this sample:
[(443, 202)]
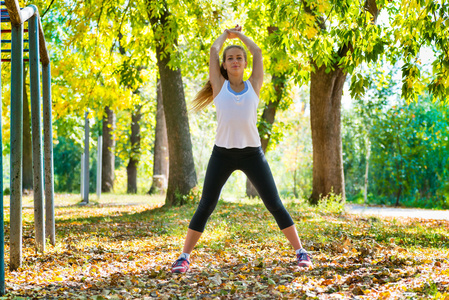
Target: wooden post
[(36, 122)]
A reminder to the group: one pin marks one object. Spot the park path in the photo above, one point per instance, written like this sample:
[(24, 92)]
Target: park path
[(397, 212)]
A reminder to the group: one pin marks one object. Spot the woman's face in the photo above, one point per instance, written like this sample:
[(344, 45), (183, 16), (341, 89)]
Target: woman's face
[(235, 62)]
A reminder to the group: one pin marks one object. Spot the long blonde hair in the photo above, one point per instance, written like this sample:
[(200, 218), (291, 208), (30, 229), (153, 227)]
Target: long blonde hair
[(205, 96)]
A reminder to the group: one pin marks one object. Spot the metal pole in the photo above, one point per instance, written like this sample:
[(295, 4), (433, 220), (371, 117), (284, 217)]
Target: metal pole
[(86, 159), (82, 178), (48, 155), (16, 146), (2, 233), (99, 164), (36, 122)]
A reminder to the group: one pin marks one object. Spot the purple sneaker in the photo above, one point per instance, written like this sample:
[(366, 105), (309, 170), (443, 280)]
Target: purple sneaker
[(181, 265), (303, 259)]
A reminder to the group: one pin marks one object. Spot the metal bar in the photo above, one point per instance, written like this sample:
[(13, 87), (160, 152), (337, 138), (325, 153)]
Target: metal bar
[(48, 155), (16, 147), (86, 159), (82, 178), (10, 50), (99, 164), (28, 12), (2, 217), (9, 30), (9, 41), (36, 122), (8, 60)]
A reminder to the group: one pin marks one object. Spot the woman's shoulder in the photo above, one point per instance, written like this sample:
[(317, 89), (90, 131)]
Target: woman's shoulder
[(251, 85), (217, 85), (220, 89)]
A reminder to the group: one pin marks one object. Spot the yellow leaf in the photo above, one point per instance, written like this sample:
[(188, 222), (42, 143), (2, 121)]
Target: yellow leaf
[(282, 288)]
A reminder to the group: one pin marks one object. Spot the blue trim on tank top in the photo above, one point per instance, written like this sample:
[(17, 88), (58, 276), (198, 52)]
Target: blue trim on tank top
[(235, 93)]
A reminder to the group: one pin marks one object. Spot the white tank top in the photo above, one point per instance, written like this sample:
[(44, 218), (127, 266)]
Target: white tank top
[(237, 118)]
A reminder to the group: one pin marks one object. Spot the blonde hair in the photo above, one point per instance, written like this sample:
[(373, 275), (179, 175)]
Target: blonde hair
[(205, 96)]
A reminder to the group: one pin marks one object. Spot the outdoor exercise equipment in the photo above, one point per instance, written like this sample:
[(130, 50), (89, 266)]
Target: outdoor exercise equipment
[(16, 16)]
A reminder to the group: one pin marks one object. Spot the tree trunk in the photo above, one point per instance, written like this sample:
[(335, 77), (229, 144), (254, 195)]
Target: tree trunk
[(326, 89), (399, 168), (160, 160), (266, 124), (131, 169), (182, 175), (108, 157), (368, 153), (27, 164)]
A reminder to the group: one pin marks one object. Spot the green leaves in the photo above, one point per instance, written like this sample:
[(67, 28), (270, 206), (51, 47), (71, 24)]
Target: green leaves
[(359, 84), (408, 152)]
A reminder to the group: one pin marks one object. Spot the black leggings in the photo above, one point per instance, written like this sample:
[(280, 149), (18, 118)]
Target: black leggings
[(252, 162)]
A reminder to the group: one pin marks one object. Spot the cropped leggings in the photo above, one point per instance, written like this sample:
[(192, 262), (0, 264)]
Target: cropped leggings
[(252, 162)]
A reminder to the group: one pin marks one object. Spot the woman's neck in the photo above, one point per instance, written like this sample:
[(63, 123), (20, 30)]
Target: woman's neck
[(235, 81)]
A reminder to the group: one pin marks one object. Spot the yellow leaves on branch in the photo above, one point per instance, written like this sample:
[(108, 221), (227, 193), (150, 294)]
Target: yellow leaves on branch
[(311, 32)]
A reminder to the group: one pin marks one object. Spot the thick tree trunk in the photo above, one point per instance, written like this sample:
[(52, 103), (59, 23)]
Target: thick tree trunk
[(160, 160), (325, 111), (27, 167), (182, 176), (131, 169), (108, 156), (266, 124)]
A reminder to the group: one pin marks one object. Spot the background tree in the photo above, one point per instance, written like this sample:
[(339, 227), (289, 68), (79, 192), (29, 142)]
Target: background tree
[(182, 176), (160, 162), (108, 156), (408, 156), (131, 168), (326, 89)]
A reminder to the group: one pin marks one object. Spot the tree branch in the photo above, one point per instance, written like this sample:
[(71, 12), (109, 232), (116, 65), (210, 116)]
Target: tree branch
[(48, 8), (371, 7), (319, 20)]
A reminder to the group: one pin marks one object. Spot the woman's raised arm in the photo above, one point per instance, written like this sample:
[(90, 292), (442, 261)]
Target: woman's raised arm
[(256, 77), (215, 77)]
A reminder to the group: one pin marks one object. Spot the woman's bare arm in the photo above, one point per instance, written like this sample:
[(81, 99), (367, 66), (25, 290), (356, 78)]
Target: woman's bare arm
[(256, 77), (215, 76)]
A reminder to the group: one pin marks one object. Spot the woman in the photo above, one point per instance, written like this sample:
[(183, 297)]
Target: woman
[(237, 141)]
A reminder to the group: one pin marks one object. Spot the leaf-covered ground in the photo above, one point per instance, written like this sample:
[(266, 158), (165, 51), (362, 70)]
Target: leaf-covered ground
[(111, 251)]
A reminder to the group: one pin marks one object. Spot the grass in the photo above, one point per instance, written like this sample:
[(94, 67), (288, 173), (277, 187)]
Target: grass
[(122, 246)]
